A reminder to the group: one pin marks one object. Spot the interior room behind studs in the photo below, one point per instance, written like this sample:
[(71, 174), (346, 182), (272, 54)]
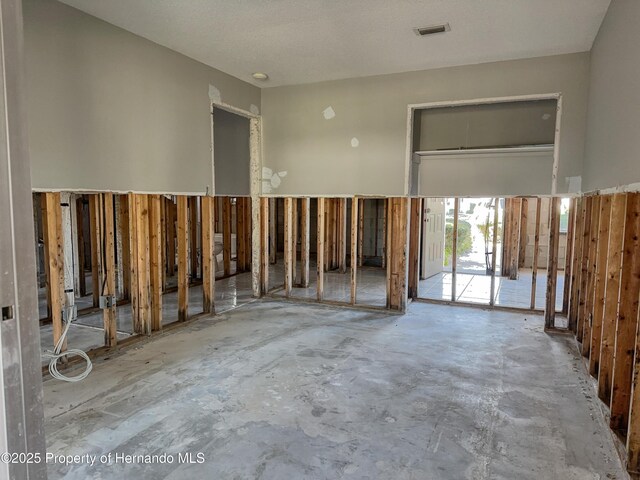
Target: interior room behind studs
[(247, 240)]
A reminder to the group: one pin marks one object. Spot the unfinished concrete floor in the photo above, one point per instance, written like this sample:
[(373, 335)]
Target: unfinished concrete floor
[(276, 390)]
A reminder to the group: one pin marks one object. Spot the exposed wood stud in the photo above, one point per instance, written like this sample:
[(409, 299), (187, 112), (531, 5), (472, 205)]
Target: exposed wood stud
[(576, 270), (193, 237), (627, 320), (207, 205), (305, 209), (354, 248), (360, 231), (125, 255), (397, 246), (320, 249), (342, 234), (273, 231), (522, 244), (604, 219), (183, 258), (415, 223), (288, 245), (584, 267), (265, 218), (514, 241), (140, 269), (108, 270), (226, 235), (294, 242), (241, 254), (171, 238), (593, 246), (81, 242), (566, 294), (552, 262), (536, 248), (494, 252), (454, 248), (52, 230), (163, 240), (155, 261), (612, 289), (94, 231), (385, 236)]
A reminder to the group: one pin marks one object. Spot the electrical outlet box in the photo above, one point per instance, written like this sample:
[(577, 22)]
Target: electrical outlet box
[(69, 312), (107, 301)]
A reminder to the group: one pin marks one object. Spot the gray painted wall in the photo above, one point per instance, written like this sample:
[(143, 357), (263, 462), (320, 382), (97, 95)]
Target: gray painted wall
[(317, 154), (108, 110), (486, 174), (612, 154), (231, 153)]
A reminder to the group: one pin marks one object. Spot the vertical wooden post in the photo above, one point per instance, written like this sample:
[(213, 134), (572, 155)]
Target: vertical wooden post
[(273, 231), (360, 230), (320, 249), (354, 248), (248, 231), (305, 208), (193, 237), (240, 235), (124, 256), (454, 248), (183, 258), (627, 321), (584, 267), (611, 294), (516, 204), (576, 270), (109, 269), (536, 248), (140, 271), (54, 258), (294, 242), (155, 260), (604, 219), (552, 262), (81, 243), (593, 247), (94, 231), (171, 237), (288, 245), (226, 235), (415, 222), (568, 257), (506, 237), (524, 214), (163, 240), (397, 223), (385, 236), (342, 234), (208, 255), (494, 253), (265, 218)]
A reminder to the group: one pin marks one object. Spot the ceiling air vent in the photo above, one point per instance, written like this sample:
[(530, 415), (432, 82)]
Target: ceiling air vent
[(432, 30)]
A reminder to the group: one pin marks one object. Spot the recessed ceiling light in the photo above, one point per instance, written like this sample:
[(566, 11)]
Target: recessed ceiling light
[(260, 76), (431, 30)]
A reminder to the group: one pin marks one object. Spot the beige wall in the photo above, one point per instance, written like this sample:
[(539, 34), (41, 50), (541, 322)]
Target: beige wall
[(317, 154), (108, 110), (612, 155)]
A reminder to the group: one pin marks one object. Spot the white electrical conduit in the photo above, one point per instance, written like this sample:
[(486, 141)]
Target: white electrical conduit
[(56, 355)]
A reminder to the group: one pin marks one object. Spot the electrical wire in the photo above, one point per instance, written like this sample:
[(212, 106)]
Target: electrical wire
[(56, 355)]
